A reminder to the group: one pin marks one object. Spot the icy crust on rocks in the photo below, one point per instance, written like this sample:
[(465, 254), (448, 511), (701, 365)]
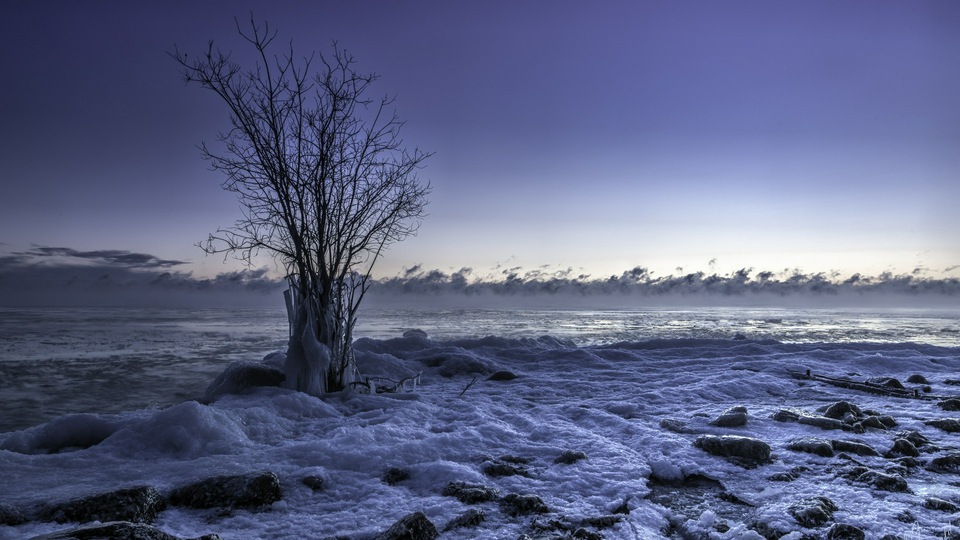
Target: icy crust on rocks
[(631, 413)]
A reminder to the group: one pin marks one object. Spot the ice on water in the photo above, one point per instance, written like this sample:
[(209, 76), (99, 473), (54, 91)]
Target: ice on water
[(601, 384)]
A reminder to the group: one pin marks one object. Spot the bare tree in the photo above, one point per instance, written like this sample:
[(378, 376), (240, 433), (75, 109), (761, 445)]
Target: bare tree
[(324, 184)]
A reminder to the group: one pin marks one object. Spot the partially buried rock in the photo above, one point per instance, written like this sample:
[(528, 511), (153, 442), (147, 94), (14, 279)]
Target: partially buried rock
[(502, 375), (470, 518), (842, 408), (745, 450), (812, 445), (470, 493), (788, 476), (887, 382), (10, 515), (946, 463), (853, 447), (415, 526), (941, 505), (118, 530), (843, 531), (243, 491), (916, 378), (952, 404), (732, 417), (503, 467), (813, 512), (137, 504), (903, 447), (314, 482), (395, 475), (950, 425), (822, 422), (569, 457), (516, 505), (241, 377), (877, 479)]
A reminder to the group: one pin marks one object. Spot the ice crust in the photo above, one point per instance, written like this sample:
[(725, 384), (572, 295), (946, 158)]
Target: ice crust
[(607, 401)]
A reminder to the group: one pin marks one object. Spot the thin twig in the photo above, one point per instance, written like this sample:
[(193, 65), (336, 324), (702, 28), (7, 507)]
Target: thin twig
[(467, 387)]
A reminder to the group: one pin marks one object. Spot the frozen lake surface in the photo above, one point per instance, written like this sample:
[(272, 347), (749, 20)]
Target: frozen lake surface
[(632, 390)]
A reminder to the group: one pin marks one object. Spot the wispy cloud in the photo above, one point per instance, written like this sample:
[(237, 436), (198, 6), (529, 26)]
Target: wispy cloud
[(112, 257), (64, 276), (640, 281)]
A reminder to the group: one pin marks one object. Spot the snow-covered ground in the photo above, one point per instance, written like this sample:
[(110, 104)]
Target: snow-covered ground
[(634, 408)]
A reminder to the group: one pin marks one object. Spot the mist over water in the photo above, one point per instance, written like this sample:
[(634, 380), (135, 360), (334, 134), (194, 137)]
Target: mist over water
[(109, 360)]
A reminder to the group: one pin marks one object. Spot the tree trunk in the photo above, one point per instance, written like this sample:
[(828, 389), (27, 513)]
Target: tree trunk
[(319, 351)]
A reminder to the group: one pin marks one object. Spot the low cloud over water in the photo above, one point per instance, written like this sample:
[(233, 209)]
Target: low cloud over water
[(63, 276)]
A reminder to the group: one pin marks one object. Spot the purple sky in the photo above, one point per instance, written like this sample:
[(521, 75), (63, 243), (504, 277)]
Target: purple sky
[(819, 135)]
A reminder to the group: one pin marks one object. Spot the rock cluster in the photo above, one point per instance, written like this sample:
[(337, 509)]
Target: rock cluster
[(883, 470)]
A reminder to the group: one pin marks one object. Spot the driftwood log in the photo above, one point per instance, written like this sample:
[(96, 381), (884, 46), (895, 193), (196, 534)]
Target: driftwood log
[(866, 386)]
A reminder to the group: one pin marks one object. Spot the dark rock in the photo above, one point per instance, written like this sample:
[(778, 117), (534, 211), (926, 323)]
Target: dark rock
[(395, 475), (873, 422), (316, 483), (906, 517), (10, 515), (515, 505), (70, 432), (952, 404), (470, 518), (812, 445), (822, 422), (502, 376), (744, 448), (415, 333), (926, 389), (584, 534), (914, 437), (813, 512), (732, 417), (118, 530), (887, 382), (916, 378), (413, 526), (674, 425), (499, 469), (786, 415), (942, 505), (884, 482), (903, 447), (601, 522), (952, 382), (769, 532), (842, 531), (470, 493), (840, 409), (887, 421), (950, 425), (946, 463), (240, 377), (854, 447), (569, 457), (622, 509), (788, 476), (877, 479), (138, 504), (908, 462), (243, 491)]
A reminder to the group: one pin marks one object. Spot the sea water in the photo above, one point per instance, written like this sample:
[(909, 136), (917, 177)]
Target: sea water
[(105, 360)]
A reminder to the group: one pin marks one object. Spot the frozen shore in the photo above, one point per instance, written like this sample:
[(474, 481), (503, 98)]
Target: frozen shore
[(622, 441)]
